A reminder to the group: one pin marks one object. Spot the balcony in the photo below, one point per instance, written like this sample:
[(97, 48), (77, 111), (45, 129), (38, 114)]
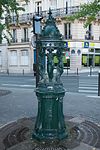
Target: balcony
[(61, 12), (14, 41), (68, 37), (24, 18), (89, 37), (25, 40)]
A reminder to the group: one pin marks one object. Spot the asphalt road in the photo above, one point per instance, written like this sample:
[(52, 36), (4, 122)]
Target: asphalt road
[(26, 82), (83, 83), (22, 101)]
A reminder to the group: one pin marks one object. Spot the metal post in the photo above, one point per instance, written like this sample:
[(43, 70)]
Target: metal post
[(67, 70), (37, 61), (8, 71), (23, 71), (90, 70), (67, 67), (37, 31), (99, 84), (77, 71), (66, 7)]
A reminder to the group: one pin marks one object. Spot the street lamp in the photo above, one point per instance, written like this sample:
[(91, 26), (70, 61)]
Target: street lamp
[(37, 31)]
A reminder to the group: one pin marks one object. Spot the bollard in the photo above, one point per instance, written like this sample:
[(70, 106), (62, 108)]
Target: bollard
[(67, 70), (99, 84), (90, 70), (8, 71), (23, 71), (77, 71)]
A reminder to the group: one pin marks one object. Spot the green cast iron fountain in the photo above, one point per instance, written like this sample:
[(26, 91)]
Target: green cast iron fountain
[(50, 124)]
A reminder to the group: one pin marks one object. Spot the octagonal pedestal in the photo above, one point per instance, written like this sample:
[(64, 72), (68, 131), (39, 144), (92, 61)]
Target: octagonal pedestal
[(50, 124)]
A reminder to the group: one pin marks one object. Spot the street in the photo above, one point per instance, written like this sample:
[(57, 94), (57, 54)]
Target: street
[(22, 101), (83, 83), (27, 82)]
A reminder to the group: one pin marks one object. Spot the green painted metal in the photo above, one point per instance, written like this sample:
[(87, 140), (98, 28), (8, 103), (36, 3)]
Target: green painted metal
[(50, 124)]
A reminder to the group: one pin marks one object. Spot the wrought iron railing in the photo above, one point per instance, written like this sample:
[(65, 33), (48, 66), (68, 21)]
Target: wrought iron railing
[(61, 12), (25, 40), (14, 40), (68, 37), (90, 37)]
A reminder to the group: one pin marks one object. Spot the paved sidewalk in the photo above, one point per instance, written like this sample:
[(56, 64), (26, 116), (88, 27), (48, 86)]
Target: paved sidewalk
[(72, 72)]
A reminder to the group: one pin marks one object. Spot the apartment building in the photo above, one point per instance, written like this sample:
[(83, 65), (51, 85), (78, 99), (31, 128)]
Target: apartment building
[(82, 45)]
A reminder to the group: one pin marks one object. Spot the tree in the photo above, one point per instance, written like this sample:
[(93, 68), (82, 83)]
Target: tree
[(7, 7), (90, 12)]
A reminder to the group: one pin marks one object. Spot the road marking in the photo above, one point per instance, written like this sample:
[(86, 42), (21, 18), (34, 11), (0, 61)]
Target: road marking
[(88, 86), (91, 88), (93, 96), (32, 79), (87, 91), (92, 75), (85, 83), (17, 85)]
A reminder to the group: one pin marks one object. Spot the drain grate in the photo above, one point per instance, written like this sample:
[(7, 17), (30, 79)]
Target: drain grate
[(54, 147)]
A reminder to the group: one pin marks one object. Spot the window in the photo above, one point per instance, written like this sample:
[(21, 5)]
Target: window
[(53, 4), (14, 34), (25, 35), (24, 57), (67, 27), (38, 7), (97, 60), (97, 50), (73, 51), (13, 57), (90, 28), (84, 60), (24, 53), (91, 50), (88, 35), (78, 51)]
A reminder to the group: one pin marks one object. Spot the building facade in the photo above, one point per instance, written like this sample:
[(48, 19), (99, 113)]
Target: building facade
[(82, 45)]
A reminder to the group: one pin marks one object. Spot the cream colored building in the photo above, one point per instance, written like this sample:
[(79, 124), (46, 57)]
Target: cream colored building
[(82, 45)]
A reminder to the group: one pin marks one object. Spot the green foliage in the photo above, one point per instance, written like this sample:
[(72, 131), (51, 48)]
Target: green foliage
[(88, 11), (7, 8)]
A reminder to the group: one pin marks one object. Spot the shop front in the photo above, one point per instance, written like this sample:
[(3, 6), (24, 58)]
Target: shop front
[(91, 57)]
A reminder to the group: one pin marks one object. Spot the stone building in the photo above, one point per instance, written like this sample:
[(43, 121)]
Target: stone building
[(82, 45)]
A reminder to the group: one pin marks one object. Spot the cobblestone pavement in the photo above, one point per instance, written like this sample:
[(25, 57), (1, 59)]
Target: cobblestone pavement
[(83, 135)]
